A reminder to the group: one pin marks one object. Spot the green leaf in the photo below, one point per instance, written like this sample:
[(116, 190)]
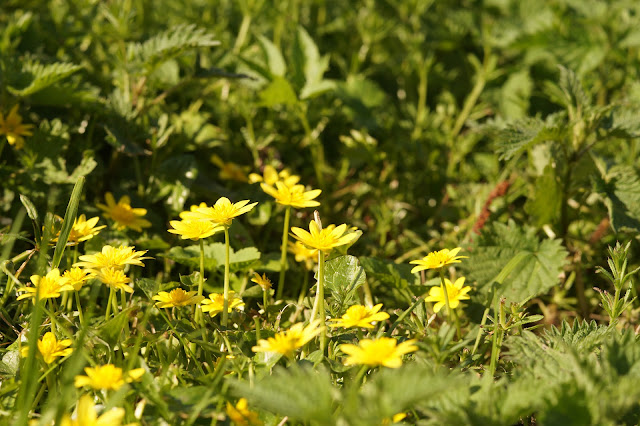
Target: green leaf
[(524, 134), (343, 276), (278, 92), (540, 263), (174, 178), (619, 188), (388, 272), (149, 286), (515, 95), (275, 61), (546, 203), (67, 223), (214, 253), (36, 76), (10, 363)]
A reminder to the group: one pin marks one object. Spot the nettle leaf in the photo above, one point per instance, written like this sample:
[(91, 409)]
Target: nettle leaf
[(214, 255), (583, 336), (310, 66), (35, 76), (524, 134), (619, 187), (539, 263), (569, 91), (343, 276)]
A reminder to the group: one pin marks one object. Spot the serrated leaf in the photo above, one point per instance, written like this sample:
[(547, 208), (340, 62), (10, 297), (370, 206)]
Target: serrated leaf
[(537, 271), (36, 76), (278, 92), (619, 188), (343, 276), (214, 255), (524, 134)]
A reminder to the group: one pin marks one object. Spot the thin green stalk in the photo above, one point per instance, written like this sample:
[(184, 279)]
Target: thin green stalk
[(320, 298), (198, 317), (79, 307), (225, 306), (283, 254), (109, 301), (360, 376), (496, 340), (265, 303)]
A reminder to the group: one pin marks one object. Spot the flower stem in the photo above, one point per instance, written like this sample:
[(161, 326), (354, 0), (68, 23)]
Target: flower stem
[(225, 306), (320, 299), (283, 254), (198, 316), (265, 303), (79, 308), (108, 311), (450, 312)]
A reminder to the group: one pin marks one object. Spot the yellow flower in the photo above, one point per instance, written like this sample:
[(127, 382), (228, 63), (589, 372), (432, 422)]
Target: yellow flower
[(77, 277), (294, 196), (177, 297), (395, 419), (123, 214), (11, 126), (240, 415), (108, 377), (270, 176), (455, 291), (194, 229), (114, 278), (383, 351), (112, 257), (215, 303), (287, 342), (84, 229), (229, 170), (49, 286), (86, 415), (324, 239), (303, 254), (437, 259), (360, 316), (50, 348), (262, 281), (222, 212)]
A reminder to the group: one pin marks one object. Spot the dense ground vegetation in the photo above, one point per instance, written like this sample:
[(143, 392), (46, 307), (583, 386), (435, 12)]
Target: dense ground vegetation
[(471, 260)]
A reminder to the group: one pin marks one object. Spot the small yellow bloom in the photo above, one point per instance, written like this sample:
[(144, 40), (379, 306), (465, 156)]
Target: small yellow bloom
[(229, 170), (11, 126), (77, 277), (123, 214), (383, 351), (222, 212), (287, 342), (455, 291), (437, 259), (294, 196), (303, 254), (86, 415), (393, 420), (50, 348), (107, 377), (240, 415), (262, 281), (270, 176), (114, 278), (324, 239), (84, 229), (112, 257), (49, 286), (194, 229), (177, 297), (360, 316), (215, 303)]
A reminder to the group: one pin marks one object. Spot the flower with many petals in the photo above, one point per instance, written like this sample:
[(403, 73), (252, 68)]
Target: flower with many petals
[(455, 291), (240, 415), (77, 277), (194, 229), (262, 281), (270, 176), (84, 229), (287, 342), (222, 212), (384, 351), (108, 377), (114, 278), (215, 303), (123, 214), (324, 239), (177, 297), (229, 170), (303, 254), (11, 126), (50, 348), (86, 415), (437, 259), (112, 257), (360, 316), (294, 196), (48, 287)]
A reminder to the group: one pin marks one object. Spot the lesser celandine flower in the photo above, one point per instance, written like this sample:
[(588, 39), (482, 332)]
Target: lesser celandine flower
[(229, 170), (270, 176), (262, 281), (360, 316), (86, 415), (383, 351), (123, 214), (222, 212), (48, 287), (11, 126), (194, 229), (437, 259), (112, 257), (215, 303), (50, 348), (303, 254), (240, 415), (84, 229), (324, 239), (287, 342), (294, 196), (107, 377), (177, 297), (114, 278), (77, 277), (456, 292)]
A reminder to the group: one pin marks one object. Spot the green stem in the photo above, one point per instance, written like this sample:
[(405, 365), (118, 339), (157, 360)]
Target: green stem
[(225, 306), (108, 311), (360, 376), (283, 254), (320, 298), (79, 307), (198, 317), (445, 293), (265, 303), (496, 340)]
